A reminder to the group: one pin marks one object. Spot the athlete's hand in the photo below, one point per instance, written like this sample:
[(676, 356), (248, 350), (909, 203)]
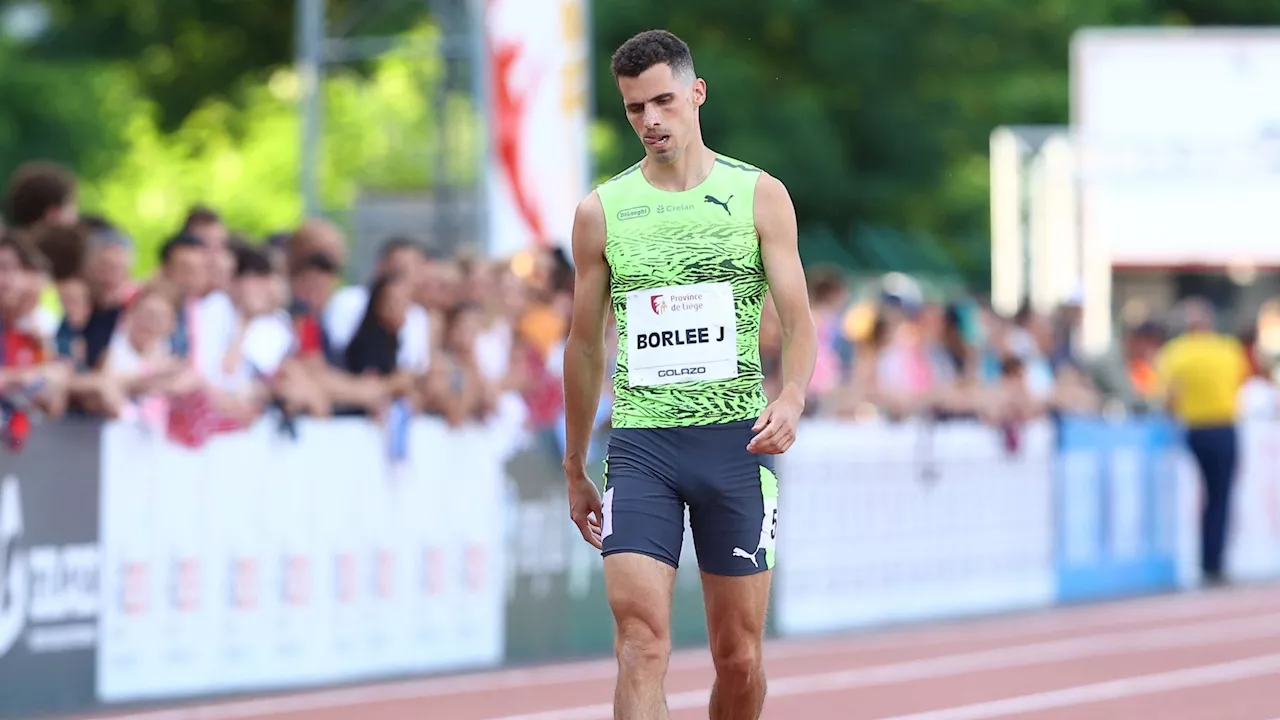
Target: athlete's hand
[(584, 505), (776, 428)]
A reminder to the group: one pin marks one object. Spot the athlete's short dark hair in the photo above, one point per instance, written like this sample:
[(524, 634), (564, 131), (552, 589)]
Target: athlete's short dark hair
[(649, 48)]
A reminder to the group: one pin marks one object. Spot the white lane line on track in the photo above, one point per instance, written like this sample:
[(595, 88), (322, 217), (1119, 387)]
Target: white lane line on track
[(1042, 653), (1154, 684), (1142, 610)]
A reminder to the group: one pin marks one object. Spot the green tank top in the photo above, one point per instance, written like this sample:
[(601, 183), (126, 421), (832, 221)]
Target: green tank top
[(687, 285)]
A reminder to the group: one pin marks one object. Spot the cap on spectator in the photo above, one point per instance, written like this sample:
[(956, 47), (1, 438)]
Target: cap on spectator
[(901, 291)]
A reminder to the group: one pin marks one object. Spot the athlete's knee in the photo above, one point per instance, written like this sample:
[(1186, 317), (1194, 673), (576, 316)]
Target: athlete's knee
[(738, 657), (643, 646)]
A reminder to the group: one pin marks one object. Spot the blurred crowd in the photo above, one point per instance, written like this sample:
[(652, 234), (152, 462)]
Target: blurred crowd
[(896, 354), (230, 328)]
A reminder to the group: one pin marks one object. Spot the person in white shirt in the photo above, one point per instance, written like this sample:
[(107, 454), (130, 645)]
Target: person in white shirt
[(261, 364), (140, 358)]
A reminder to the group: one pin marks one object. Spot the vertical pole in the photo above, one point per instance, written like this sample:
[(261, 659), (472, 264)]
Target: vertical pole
[(480, 98), (443, 224), (1007, 254), (310, 67), (1061, 215)]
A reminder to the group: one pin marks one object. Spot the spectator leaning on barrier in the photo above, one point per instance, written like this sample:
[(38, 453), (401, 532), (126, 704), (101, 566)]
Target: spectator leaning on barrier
[(313, 255), (347, 309), (29, 375), (184, 270), (374, 351), (1200, 373), (109, 256), (311, 282), (140, 358), (67, 250), (456, 383), (263, 336)]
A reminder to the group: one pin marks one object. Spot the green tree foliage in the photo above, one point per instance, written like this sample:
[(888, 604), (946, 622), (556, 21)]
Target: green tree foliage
[(872, 113), (244, 158), (73, 113), (186, 51), (876, 114)]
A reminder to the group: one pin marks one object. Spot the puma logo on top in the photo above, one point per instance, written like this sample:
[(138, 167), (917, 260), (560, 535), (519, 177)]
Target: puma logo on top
[(715, 201)]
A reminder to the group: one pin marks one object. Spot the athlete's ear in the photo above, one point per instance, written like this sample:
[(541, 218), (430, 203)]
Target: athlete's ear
[(699, 92)]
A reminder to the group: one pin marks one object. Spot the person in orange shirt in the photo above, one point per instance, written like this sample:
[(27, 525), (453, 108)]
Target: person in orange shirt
[(1143, 343)]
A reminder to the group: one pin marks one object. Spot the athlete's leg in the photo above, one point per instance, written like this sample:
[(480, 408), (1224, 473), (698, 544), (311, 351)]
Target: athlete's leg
[(736, 607), (642, 530), (639, 589), (733, 509)]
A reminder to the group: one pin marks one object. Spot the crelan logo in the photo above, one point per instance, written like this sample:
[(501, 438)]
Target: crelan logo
[(633, 213)]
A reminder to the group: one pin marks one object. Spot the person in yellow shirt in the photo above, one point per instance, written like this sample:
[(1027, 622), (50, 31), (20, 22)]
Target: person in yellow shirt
[(1200, 374)]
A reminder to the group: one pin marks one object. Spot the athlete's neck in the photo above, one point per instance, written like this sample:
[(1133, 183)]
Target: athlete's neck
[(688, 171)]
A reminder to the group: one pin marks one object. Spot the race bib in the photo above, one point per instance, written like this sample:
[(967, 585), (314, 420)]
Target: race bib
[(682, 333)]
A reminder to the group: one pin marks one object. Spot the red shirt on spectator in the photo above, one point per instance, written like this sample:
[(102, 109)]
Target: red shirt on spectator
[(310, 341), (544, 394), (22, 349)]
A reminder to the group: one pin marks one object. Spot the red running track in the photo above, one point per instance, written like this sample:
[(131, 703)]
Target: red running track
[(1197, 656)]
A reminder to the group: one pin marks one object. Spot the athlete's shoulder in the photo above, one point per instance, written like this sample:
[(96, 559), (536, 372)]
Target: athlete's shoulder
[(738, 165), (775, 213), (770, 191), (590, 212)]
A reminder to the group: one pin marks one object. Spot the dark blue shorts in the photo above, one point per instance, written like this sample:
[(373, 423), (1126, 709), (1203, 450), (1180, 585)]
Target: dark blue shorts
[(651, 475)]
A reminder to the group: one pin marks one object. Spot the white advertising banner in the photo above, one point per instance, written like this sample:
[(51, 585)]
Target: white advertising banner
[(537, 94), (893, 523), (262, 562), (1178, 135), (1253, 530)]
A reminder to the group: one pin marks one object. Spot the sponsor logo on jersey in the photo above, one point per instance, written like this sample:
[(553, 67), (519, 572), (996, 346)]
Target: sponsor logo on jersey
[(634, 213)]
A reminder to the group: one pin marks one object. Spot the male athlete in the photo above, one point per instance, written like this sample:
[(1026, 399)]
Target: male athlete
[(685, 244)]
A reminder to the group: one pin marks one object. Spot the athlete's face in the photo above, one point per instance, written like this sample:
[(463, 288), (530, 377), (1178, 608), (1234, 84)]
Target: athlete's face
[(663, 109)]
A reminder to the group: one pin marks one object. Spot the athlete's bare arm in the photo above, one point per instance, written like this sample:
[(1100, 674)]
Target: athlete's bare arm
[(779, 247), (584, 361)]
